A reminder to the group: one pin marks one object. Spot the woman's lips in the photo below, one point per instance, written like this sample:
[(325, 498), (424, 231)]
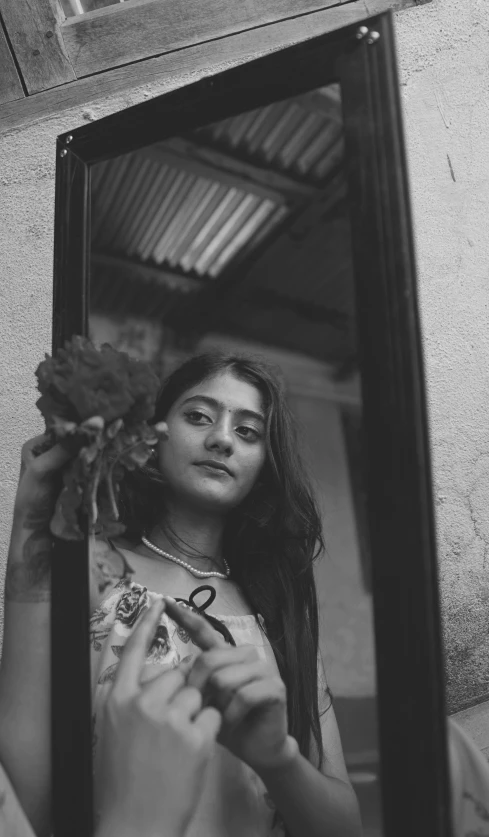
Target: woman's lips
[(215, 468)]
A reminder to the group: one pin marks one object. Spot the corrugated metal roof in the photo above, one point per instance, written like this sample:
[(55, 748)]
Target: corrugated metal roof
[(303, 136), (167, 216), (187, 216)]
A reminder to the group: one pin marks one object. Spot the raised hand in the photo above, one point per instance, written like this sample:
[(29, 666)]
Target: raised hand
[(41, 464), (156, 742), (28, 576), (247, 691)]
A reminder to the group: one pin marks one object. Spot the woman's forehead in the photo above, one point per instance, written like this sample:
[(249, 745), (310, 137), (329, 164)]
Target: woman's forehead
[(228, 390)]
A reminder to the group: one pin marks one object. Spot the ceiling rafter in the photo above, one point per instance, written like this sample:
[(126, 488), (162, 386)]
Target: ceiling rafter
[(127, 268), (217, 165), (119, 285)]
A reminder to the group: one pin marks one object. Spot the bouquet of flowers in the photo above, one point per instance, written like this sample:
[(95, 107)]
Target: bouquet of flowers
[(98, 403)]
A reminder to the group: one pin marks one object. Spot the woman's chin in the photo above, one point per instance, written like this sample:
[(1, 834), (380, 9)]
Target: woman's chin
[(214, 498)]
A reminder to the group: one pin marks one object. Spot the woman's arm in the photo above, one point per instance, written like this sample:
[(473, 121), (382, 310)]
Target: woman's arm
[(253, 700), (147, 729), (25, 729), (157, 739), (324, 795), (312, 802), (25, 708)]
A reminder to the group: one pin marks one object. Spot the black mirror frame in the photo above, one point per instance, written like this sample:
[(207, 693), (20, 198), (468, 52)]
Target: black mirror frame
[(410, 673)]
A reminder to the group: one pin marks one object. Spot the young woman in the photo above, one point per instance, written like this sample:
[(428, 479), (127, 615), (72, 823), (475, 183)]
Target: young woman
[(265, 527), (225, 504)]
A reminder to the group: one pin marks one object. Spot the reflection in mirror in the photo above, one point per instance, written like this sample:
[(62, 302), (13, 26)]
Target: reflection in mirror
[(236, 238)]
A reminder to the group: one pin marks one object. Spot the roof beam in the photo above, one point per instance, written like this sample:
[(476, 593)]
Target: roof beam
[(148, 275), (122, 287), (216, 165)]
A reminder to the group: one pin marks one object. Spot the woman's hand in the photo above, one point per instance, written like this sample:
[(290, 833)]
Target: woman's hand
[(246, 690), (39, 480), (156, 742), (29, 560)]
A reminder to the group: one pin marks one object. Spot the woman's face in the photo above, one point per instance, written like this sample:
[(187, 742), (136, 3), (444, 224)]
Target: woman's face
[(216, 443)]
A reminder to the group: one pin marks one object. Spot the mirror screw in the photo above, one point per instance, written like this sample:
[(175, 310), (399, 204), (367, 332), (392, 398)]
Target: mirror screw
[(63, 152), (361, 32), (373, 37), (68, 139)]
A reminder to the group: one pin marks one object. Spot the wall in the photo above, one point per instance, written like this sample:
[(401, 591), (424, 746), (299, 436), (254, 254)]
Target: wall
[(443, 48), (346, 617)]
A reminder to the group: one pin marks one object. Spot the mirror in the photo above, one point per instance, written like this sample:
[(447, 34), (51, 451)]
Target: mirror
[(236, 237), (264, 211)]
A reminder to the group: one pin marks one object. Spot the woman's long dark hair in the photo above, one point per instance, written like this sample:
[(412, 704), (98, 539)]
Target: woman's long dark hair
[(270, 541)]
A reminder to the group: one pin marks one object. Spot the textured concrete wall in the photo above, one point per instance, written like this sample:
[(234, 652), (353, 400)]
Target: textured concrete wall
[(443, 55), (443, 49)]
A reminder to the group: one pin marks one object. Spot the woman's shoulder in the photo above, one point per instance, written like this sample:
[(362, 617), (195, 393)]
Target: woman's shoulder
[(120, 542)]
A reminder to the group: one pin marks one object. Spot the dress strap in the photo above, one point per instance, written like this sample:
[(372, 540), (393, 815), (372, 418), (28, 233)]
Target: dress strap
[(200, 609)]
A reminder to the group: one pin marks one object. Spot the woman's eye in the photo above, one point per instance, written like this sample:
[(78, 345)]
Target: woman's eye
[(248, 433), (197, 417)]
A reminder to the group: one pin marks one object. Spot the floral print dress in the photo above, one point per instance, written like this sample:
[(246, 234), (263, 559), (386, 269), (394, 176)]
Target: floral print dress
[(234, 802)]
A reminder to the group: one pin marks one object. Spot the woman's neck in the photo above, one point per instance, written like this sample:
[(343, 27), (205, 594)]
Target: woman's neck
[(184, 532)]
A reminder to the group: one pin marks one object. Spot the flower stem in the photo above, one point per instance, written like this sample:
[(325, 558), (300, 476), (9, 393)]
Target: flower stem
[(110, 489), (93, 494)]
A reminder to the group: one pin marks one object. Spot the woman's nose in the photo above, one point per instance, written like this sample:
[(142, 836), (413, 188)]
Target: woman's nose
[(220, 438)]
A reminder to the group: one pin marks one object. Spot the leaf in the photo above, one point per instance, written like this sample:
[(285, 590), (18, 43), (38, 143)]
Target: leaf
[(117, 649), (108, 675), (183, 635), (89, 454), (114, 428)]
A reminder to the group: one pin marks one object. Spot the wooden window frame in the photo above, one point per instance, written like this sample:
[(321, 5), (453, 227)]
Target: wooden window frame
[(11, 87), (52, 51)]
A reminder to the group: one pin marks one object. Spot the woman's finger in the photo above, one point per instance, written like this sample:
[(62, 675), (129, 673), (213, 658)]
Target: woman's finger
[(209, 721), (157, 693), (186, 667), (188, 701), (28, 452), (223, 684), (128, 672), (210, 662), (35, 441), (259, 693), (199, 630), (48, 461)]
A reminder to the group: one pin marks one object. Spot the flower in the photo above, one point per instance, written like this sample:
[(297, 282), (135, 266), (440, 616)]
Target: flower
[(80, 381), (131, 605), (160, 646), (96, 402)]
